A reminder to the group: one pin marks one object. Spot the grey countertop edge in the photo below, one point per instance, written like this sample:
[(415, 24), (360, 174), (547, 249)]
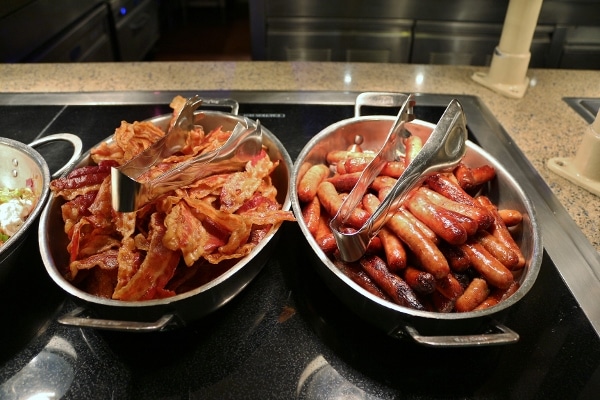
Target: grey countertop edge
[(541, 123)]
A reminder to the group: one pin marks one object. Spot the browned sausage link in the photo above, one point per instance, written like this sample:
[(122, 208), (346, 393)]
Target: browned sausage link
[(395, 253), (413, 145), (327, 243), (324, 236), (457, 258), (446, 187), (303, 168), (344, 182), (339, 168), (469, 224), (420, 281), (383, 182), (449, 286), (497, 295), (356, 164), (481, 215), (336, 156), (311, 213), (483, 174), (370, 202), (422, 227), (497, 249), (360, 277), (428, 255), (307, 188), (375, 246), (331, 202), (474, 294), (500, 231), (441, 303), (426, 252), (436, 218), (391, 284), (464, 176), (494, 272), (393, 169), (510, 217)]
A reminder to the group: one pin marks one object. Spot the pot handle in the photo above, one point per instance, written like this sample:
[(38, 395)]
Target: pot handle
[(73, 318), (504, 336), (231, 103), (68, 137), (378, 99)]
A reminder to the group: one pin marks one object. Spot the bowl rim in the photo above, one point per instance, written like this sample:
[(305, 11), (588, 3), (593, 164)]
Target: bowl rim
[(10, 245)]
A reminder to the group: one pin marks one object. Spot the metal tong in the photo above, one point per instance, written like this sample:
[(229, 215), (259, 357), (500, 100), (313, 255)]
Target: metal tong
[(128, 194), (444, 149)]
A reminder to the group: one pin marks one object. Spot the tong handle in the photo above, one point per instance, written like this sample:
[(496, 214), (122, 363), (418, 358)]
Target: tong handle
[(444, 149), (244, 142), (176, 136), (391, 147)]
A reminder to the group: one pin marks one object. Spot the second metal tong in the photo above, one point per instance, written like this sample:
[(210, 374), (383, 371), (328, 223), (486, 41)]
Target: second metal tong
[(129, 194), (444, 149)]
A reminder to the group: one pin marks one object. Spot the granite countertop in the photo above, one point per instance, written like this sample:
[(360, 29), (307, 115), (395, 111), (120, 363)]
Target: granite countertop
[(541, 123)]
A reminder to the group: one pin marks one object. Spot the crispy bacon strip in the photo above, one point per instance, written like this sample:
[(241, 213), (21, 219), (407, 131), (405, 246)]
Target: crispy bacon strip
[(155, 271), (185, 232)]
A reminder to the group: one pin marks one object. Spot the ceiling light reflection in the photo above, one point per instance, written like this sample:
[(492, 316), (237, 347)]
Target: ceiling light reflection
[(347, 78), (420, 78)]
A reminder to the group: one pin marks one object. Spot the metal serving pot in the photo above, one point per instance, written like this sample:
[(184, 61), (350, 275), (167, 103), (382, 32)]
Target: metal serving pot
[(178, 310), (425, 327), (22, 166)]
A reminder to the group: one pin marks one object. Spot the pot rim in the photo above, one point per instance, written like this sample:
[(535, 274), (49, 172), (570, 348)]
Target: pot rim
[(528, 279), (143, 304)]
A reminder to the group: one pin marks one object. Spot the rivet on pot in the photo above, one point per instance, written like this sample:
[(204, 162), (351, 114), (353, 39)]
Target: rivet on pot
[(15, 162), (15, 173)]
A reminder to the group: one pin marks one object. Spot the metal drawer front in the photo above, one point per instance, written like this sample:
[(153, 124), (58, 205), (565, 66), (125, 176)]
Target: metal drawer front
[(89, 40), (462, 43), (318, 39), (138, 31)]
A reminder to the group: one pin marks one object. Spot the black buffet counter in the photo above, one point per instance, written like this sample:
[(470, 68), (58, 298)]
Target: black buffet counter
[(286, 335)]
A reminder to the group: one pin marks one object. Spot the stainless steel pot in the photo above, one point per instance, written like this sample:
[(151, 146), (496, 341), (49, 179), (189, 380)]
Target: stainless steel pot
[(425, 327), (21, 166), (176, 311)]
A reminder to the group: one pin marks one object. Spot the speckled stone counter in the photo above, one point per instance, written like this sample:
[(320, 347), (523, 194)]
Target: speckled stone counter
[(541, 123)]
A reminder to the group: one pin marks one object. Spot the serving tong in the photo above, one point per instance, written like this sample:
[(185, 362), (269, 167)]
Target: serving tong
[(444, 149), (129, 194)]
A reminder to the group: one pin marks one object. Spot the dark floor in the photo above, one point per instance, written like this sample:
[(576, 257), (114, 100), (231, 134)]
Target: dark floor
[(204, 33)]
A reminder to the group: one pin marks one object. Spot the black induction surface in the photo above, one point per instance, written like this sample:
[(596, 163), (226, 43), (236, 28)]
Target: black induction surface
[(284, 336)]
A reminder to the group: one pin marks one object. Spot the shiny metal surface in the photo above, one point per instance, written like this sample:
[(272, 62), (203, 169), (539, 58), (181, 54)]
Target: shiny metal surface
[(22, 166), (395, 319), (463, 32), (571, 252), (444, 149), (51, 19), (129, 194), (182, 308)]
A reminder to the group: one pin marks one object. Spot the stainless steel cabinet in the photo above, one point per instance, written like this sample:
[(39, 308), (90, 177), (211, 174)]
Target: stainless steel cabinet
[(325, 39), (88, 40), (467, 43), (418, 31)]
